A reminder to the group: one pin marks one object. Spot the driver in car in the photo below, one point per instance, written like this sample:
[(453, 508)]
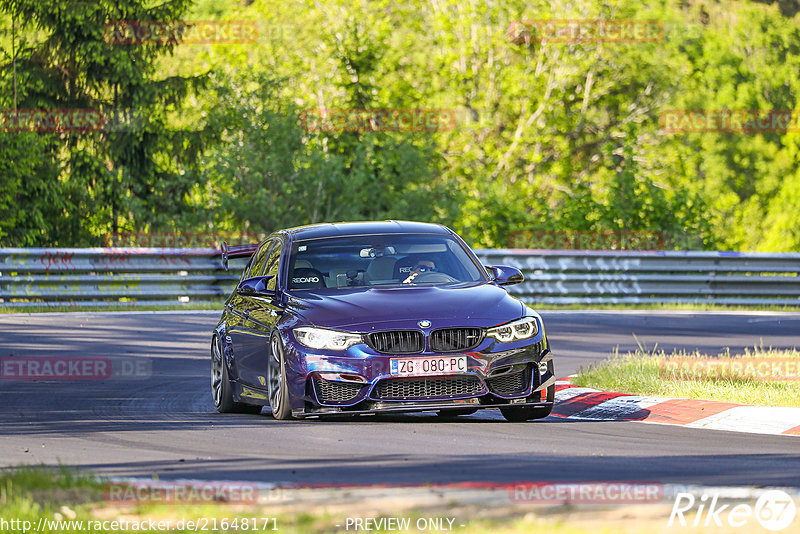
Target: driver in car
[(422, 266)]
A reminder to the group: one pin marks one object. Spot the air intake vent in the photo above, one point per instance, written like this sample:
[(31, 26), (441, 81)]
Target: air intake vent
[(455, 339), (515, 382), (423, 388), (332, 391), (397, 341)]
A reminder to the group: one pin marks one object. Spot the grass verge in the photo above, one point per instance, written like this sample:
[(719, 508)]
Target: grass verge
[(41, 497), (725, 377)]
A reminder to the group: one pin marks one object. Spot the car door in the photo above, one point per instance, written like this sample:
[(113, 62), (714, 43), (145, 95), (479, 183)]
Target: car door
[(239, 306), (258, 315)]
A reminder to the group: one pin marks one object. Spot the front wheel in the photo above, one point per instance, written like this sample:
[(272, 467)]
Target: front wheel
[(276, 372), (517, 414)]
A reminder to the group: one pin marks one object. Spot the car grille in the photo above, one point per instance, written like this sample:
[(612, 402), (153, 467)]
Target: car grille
[(397, 341), (455, 339), (332, 391), (510, 383), (420, 388)]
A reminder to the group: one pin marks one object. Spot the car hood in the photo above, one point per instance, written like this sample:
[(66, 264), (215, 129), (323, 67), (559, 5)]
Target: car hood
[(474, 304)]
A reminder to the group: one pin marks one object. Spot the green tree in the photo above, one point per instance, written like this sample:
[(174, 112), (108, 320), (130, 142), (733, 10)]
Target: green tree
[(138, 171)]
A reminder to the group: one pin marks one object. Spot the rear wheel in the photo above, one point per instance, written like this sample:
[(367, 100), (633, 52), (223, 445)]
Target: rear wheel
[(276, 372), (221, 389)]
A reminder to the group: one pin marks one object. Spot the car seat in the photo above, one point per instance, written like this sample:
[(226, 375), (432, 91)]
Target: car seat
[(381, 268)]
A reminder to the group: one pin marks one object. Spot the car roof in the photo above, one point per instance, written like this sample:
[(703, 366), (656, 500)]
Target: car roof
[(312, 231)]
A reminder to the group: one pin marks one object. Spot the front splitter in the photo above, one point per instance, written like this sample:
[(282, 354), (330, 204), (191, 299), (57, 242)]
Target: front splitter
[(417, 409)]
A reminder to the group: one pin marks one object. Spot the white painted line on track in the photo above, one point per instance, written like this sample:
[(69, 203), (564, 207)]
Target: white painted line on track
[(752, 419), (566, 394), (620, 407)]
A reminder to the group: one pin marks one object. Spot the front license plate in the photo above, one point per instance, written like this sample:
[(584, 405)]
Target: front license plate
[(428, 366)]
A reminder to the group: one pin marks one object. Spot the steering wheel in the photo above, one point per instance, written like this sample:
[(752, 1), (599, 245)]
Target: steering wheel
[(433, 277)]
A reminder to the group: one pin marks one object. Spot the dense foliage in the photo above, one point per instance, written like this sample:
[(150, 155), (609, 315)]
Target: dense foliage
[(565, 136)]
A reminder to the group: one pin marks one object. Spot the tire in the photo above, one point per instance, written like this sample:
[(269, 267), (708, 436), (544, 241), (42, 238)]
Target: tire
[(517, 414), (447, 414), (276, 380), (221, 390)]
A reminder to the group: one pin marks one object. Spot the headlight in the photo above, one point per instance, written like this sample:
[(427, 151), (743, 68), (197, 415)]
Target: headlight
[(322, 338), (515, 330)]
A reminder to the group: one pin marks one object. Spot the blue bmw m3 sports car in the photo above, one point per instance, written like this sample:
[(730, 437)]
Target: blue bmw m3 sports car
[(374, 317)]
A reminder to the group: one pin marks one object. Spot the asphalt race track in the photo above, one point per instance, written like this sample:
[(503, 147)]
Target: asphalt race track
[(165, 424)]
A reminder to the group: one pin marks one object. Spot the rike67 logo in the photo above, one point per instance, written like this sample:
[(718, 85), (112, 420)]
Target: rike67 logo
[(774, 510)]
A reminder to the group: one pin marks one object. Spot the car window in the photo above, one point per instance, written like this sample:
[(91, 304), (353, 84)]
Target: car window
[(246, 270), (273, 265), (380, 260), (260, 259)]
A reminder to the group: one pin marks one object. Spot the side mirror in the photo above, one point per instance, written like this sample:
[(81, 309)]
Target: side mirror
[(506, 276), (256, 285)]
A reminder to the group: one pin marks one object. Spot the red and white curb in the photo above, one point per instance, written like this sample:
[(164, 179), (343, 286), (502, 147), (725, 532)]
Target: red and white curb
[(408, 495), (585, 403)]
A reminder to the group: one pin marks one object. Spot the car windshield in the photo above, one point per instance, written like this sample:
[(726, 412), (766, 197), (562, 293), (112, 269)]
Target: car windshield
[(380, 260)]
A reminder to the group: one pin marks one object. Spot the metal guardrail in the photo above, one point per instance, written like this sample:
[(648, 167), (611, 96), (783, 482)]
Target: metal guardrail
[(120, 276), (154, 276), (648, 277)]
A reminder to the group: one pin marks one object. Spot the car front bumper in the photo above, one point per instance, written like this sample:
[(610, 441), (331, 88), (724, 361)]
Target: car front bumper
[(360, 382)]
